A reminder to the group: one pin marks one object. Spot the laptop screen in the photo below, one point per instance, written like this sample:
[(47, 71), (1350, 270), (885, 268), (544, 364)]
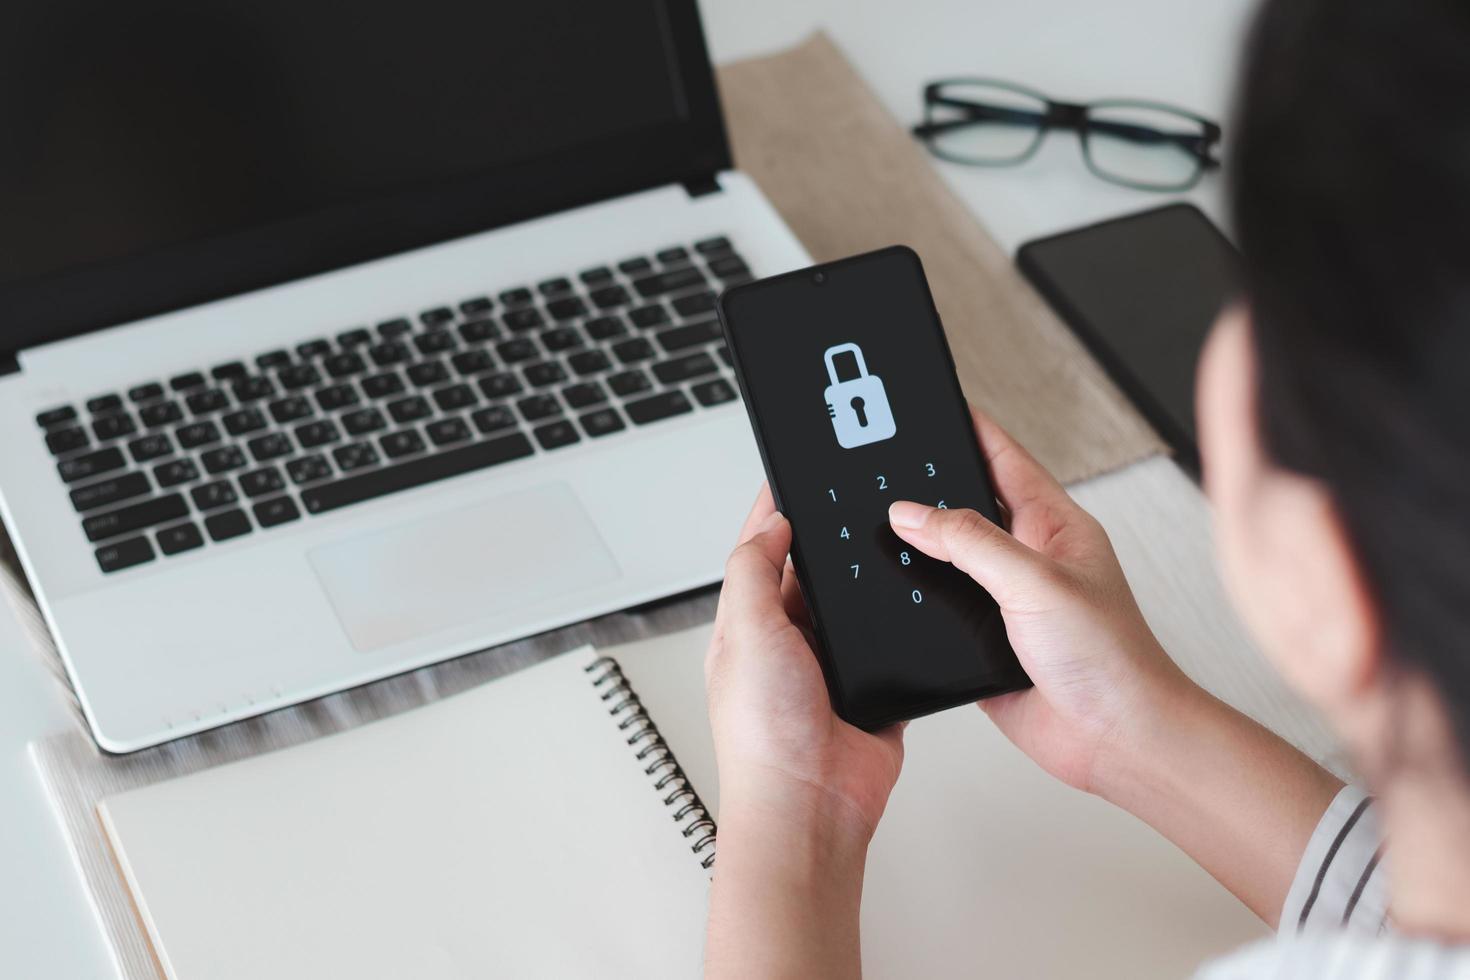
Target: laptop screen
[(160, 153)]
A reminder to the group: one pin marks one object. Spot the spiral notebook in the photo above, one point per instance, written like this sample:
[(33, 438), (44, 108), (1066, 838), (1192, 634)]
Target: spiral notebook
[(538, 825)]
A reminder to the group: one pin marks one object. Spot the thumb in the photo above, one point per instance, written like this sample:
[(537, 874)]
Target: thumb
[(983, 550)]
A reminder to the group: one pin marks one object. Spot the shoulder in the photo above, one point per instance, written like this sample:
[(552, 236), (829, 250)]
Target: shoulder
[(1343, 957)]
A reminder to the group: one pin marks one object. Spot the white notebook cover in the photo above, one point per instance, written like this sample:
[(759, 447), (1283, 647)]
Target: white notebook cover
[(506, 831)]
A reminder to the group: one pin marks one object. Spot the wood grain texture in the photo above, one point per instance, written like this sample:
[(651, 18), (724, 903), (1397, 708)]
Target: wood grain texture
[(847, 178)]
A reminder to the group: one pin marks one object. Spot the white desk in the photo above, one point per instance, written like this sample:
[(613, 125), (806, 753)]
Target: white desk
[(1071, 48)]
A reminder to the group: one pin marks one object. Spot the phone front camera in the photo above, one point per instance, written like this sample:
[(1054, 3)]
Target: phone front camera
[(819, 277)]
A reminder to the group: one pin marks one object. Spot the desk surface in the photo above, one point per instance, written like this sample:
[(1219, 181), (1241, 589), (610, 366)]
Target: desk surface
[(1183, 53)]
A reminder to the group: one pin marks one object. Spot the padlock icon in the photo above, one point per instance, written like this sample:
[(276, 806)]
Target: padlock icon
[(857, 406)]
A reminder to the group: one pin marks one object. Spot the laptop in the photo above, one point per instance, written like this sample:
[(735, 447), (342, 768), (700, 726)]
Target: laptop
[(336, 343)]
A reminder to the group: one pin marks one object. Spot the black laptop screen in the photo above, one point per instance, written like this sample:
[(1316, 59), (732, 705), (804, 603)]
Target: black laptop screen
[(208, 147)]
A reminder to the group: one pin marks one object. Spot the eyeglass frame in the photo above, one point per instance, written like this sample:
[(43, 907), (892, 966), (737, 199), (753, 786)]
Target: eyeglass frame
[(1073, 116)]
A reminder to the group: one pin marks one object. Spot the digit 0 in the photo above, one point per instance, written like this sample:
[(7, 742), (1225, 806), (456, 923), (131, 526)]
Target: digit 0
[(918, 596)]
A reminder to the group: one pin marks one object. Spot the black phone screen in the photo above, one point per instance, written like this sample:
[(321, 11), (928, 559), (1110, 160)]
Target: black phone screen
[(853, 396)]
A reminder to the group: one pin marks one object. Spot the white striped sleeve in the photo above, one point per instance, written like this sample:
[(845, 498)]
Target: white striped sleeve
[(1340, 883)]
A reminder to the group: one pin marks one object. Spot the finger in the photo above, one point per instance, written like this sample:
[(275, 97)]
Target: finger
[(1003, 566), (764, 507), (751, 595), (1019, 479)]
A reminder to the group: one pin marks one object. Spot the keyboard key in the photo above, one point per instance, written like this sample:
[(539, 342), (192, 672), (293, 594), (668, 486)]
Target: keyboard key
[(670, 256), (259, 482), (493, 419), (150, 447), (143, 393), (695, 303), (691, 335), (318, 433), (226, 525), (513, 296), (478, 304), (525, 319), (566, 308), (105, 493), (472, 362), (538, 407), (729, 267), (355, 456), (445, 431), (589, 362), (629, 383), (684, 368), (610, 296), (104, 403), (274, 445), (605, 327), (427, 373), (66, 440), (519, 349), (585, 394), (594, 276), (276, 511), (383, 385), (197, 434), (397, 327), (113, 426), (231, 369), (404, 442), (252, 389), (272, 359), (334, 397), (222, 459), (180, 537), (416, 473), (160, 413), (363, 420), (135, 517), (124, 554), (313, 348), (183, 382), (477, 331), (345, 364), (649, 316), (244, 420), (632, 350), (290, 409), (455, 397), (355, 338), (436, 316), (660, 406), (500, 385), (634, 266), (714, 392), (544, 373), (561, 338), (684, 277), (389, 352), (175, 471), (308, 468), (556, 434), (294, 377), (602, 422), (712, 246), (434, 342), (55, 416), (409, 409), (553, 287), (206, 401)]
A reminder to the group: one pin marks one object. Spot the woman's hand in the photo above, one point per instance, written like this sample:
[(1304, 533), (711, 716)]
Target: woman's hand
[(1068, 610)]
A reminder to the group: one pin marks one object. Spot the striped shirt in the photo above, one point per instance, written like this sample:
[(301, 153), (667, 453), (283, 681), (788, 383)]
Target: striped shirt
[(1335, 922)]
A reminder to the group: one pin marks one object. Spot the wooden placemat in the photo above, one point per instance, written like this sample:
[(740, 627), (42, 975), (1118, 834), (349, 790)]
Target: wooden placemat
[(848, 178)]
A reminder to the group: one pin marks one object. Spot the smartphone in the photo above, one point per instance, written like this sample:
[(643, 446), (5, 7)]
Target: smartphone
[(853, 397)]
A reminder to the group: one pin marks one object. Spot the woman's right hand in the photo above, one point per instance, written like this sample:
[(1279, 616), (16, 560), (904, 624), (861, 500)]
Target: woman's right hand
[(1069, 613)]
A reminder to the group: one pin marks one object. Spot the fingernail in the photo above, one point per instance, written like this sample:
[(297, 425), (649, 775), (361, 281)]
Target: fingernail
[(906, 513)]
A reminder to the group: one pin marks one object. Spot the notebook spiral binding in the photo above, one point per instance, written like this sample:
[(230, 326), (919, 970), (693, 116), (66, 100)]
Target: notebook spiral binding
[(660, 765)]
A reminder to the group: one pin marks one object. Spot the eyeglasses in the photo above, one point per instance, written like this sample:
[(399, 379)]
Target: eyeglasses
[(1144, 145)]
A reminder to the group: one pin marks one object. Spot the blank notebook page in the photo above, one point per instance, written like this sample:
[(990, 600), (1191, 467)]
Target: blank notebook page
[(506, 830)]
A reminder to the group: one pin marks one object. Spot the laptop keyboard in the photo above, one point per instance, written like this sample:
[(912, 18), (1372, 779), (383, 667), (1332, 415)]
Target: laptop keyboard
[(221, 452)]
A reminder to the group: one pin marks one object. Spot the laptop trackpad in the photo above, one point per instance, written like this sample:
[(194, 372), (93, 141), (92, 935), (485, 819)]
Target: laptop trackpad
[(509, 554)]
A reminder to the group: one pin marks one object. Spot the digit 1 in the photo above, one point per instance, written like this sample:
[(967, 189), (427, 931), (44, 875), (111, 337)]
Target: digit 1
[(833, 495)]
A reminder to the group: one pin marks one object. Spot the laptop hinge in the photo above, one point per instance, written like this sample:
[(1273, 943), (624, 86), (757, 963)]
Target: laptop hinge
[(700, 186)]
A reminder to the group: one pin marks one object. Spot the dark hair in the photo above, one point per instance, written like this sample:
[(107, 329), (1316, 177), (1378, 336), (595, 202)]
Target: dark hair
[(1351, 197)]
